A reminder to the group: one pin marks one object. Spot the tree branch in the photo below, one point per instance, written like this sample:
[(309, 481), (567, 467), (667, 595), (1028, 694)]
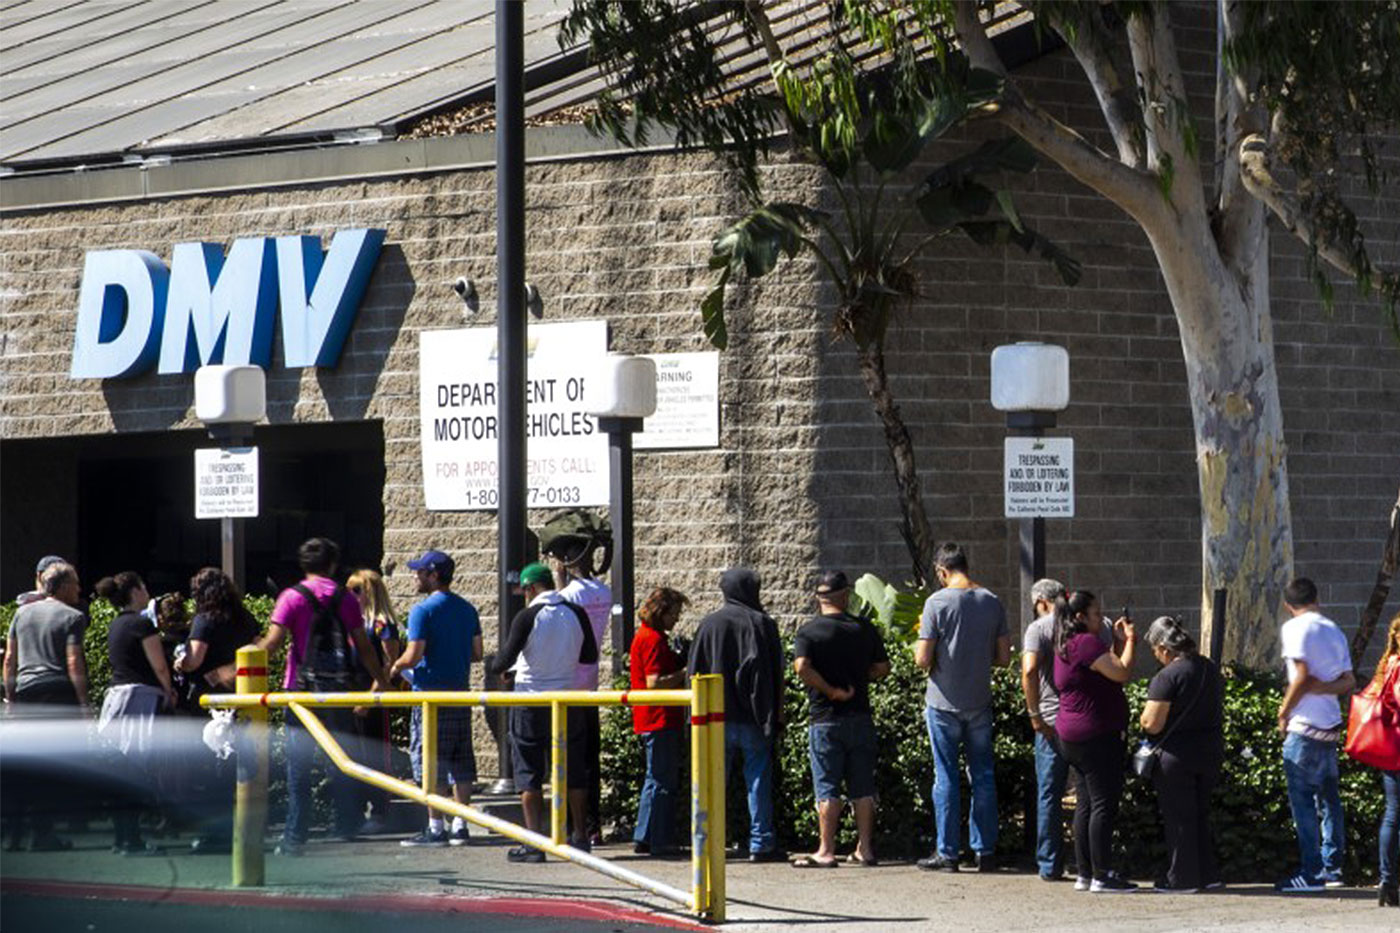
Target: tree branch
[(1259, 181), (1166, 117), (1241, 216), (1088, 39), (1131, 189), (774, 53)]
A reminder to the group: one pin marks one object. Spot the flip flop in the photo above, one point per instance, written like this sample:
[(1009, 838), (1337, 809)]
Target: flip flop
[(811, 861), (855, 859)]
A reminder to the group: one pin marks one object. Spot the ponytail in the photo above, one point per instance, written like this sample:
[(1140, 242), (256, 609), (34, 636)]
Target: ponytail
[(1069, 618), (117, 589)]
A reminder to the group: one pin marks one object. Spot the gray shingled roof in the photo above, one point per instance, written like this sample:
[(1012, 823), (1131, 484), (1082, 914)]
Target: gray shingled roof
[(101, 80), (96, 77)]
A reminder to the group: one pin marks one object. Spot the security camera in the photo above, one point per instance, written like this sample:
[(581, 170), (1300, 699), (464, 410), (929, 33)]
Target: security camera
[(466, 290)]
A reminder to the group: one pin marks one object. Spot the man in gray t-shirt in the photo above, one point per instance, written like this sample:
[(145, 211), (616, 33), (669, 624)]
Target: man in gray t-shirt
[(44, 646), (962, 633), (1042, 705)]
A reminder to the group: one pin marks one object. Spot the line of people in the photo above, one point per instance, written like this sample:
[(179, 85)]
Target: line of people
[(1074, 665)]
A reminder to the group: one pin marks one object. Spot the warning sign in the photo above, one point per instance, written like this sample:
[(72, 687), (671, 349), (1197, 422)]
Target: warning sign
[(1039, 477), (226, 482)]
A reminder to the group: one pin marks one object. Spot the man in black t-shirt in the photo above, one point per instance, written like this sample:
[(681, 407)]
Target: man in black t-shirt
[(836, 657)]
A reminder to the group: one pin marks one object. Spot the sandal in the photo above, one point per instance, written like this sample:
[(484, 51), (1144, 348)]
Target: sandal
[(855, 859), (811, 861)]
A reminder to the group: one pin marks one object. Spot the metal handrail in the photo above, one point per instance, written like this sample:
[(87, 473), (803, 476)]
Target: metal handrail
[(705, 697)]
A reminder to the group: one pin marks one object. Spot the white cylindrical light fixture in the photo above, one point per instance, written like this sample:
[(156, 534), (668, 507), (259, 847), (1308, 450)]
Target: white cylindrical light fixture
[(1030, 377), (624, 387), (230, 394)]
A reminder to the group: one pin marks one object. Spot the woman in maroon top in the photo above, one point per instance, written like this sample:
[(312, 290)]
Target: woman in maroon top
[(1091, 727), (654, 666)]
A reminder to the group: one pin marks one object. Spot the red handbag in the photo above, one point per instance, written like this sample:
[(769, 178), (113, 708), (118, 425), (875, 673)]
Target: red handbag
[(1373, 729)]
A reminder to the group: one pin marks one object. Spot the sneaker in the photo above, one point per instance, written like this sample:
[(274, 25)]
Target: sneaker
[(1052, 877), (1299, 884), (525, 854), (583, 845), (1111, 884), (986, 862), (289, 849), (1213, 886), (1162, 887), (1083, 884), (424, 839), (459, 837), (140, 850), (1332, 879), (936, 862), (768, 855), (641, 848)]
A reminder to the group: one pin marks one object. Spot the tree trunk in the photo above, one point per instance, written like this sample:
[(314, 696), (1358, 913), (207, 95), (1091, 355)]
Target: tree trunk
[(1390, 562), (1227, 342), (918, 537)]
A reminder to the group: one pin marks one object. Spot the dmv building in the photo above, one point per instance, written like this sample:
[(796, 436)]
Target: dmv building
[(315, 219)]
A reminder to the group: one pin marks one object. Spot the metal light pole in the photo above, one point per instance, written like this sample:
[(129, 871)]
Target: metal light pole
[(1030, 382), (626, 394), (510, 321), (229, 400)]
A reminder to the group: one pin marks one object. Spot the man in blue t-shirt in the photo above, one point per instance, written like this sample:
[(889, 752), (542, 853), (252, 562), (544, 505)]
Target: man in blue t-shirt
[(444, 638)]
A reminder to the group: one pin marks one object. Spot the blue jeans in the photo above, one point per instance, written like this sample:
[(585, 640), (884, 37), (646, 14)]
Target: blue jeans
[(949, 733), (1051, 774), (1390, 828), (1310, 767), (748, 740), (656, 811), (302, 751)]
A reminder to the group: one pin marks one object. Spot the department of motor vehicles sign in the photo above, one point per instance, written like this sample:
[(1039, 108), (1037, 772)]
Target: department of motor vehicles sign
[(1039, 477), (566, 453)]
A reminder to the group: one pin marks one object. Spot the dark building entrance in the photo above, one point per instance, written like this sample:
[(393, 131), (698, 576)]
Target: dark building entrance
[(126, 502)]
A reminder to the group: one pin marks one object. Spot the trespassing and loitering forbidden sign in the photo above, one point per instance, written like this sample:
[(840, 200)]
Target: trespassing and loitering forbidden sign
[(1039, 477), (226, 482)]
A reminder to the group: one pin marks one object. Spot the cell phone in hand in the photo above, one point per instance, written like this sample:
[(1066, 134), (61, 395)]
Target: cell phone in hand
[(1124, 614)]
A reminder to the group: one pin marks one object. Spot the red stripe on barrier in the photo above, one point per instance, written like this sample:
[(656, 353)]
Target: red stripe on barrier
[(706, 719), (623, 701), (251, 672), (263, 698)]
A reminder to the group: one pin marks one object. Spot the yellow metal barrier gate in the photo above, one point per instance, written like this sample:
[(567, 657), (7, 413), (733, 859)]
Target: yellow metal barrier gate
[(705, 699)]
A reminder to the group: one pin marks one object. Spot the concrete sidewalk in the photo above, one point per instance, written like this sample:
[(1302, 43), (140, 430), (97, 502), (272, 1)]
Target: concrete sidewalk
[(774, 896)]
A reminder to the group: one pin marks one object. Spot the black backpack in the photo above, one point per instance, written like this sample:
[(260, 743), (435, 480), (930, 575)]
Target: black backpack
[(328, 664)]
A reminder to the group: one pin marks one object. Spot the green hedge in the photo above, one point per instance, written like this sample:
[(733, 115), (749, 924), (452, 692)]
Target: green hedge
[(1253, 825)]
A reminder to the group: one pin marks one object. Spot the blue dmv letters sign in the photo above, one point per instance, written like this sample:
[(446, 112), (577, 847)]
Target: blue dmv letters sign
[(210, 308)]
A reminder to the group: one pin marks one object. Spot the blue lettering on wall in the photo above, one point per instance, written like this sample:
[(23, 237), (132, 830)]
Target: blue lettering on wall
[(212, 308), (120, 312)]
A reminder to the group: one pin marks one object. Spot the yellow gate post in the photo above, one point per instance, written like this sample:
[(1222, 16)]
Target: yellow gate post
[(250, 795), (559, 773), (700, 812), (714, 687), (430, 757)]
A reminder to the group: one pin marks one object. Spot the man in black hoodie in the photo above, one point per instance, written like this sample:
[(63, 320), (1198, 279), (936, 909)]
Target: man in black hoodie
[(740, 642)]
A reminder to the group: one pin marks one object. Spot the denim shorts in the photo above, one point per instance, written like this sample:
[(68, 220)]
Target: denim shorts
[(843, 749)]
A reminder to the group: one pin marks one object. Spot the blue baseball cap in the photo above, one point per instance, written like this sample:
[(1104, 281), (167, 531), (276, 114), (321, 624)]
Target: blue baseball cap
[(433, 560)]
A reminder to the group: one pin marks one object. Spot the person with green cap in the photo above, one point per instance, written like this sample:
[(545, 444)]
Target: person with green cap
[(545, 644)]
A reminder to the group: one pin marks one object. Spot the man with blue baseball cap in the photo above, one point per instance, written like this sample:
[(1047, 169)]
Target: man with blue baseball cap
[(444, 638)]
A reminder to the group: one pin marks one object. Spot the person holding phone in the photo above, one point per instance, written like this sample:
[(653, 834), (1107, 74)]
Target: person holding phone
[(1092, 728)]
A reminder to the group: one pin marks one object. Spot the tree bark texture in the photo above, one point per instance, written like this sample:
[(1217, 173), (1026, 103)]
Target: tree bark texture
[(918, 536), (1390, 562), (1227, 343)]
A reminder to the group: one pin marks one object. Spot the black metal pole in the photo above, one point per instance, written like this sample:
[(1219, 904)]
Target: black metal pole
[(510, 316), (231, 540), (1032, 531), (1216, 646), (619, 431)]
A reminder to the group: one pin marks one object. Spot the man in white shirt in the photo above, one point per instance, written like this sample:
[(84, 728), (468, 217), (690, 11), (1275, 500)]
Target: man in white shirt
[(571, 561), (1319, 669)]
